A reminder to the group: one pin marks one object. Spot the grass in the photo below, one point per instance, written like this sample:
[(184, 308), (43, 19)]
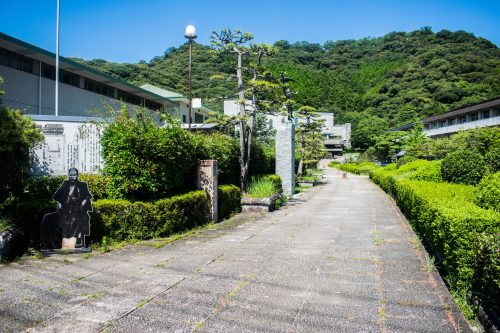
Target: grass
[(376, 238), (4, 224), (429, 263), (261, 188)]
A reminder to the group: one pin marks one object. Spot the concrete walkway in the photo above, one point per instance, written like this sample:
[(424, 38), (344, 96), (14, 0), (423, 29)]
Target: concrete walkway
[(341, 259)]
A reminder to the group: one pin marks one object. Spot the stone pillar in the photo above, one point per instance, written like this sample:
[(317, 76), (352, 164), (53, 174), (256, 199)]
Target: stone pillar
[(207, 180), (285, 155)]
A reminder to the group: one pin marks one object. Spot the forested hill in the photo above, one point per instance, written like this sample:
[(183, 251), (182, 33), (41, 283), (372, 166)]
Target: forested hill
[(375, 83)]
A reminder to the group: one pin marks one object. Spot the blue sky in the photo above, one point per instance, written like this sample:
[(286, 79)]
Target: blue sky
[(131, 30)]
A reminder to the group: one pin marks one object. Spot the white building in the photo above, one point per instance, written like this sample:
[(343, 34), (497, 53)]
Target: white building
[(337, 137), (85, 94)]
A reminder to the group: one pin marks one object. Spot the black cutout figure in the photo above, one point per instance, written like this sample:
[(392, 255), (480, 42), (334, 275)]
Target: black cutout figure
[(67, 227)]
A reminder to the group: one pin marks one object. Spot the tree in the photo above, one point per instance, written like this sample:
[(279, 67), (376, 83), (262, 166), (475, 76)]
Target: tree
[(311, 126), (18, 136), (237, 43)]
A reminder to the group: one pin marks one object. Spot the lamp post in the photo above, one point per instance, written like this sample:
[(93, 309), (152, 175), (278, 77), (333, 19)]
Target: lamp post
[(190, 35)]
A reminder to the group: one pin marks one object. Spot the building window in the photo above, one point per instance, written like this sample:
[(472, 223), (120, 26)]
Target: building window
[(16, 61), (198, 118), (129, 98), (442, 123), (152, 105), (462, 119), (473, 116), (184, 119), (98, 88), (48, 71), (486, 114), (69, 78)]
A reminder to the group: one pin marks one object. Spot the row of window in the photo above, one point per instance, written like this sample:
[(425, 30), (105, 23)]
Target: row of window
[(198, 118), (486, 114), (20, 62)]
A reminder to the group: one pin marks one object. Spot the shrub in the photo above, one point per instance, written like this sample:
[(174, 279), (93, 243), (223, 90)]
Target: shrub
[(44, 187), (493, 158), (463, 167), (261, 187), (276, 180), (225, 150), (358, 168), (333, 164), (405, 159), (431, 171), (262, 159), (18, 134), (444, 214), (98, 185), (121, 220), (229, 200), (145, 161), (488, 192)]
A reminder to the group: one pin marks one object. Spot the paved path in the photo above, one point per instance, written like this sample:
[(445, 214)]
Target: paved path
[(342, 259)]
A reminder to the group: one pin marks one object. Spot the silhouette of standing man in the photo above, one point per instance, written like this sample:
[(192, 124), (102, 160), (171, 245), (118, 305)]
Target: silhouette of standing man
[(73, 205)]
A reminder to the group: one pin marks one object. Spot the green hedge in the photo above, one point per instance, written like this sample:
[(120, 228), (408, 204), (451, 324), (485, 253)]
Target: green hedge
[(358, 168), (488, 192), (463, 167), (43, 188), (229, 201), (276, 180), (447, 217), (122, 220)]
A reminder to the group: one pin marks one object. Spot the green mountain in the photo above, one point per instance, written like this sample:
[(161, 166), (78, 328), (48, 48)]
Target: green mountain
[(374, 83)]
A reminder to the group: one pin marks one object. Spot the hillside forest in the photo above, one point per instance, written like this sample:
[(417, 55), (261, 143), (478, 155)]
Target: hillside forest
[(374, 83)]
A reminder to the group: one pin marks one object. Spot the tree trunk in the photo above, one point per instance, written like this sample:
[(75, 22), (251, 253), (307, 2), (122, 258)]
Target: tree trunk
[(303, 149), (241, 104)]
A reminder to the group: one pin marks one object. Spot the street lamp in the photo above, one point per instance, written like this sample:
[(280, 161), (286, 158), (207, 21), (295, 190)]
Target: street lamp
[(190, 35)]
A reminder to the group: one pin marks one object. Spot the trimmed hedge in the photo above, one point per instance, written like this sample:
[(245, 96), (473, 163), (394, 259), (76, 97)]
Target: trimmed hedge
[(229, 201), (488, 192), (43, 188), (276, 180), (447, 217), (463, 167), (405, 159), (493, 158), (358, 168), (122, 220)]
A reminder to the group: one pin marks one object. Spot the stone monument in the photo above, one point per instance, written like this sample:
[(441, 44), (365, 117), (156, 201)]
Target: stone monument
[(285, 154), (207, 180)]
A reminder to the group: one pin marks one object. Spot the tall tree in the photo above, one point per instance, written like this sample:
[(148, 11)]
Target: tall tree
[(251, 96), (311, 125)]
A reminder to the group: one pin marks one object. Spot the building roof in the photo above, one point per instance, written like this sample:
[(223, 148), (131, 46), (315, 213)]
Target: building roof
[(34, 52), (457, 112), (172, 95)]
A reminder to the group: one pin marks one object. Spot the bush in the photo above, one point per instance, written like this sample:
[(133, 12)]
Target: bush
[(431, 171), (405, 159), (44, 187), (146, 161), (488, 192), (261, 187), (333, 164), (262, 159), (276, 180), (229, 201), (121, 220), (225, 150), (493, 158), (444, 214), (98, 185), (358, 168), (463, 167)]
